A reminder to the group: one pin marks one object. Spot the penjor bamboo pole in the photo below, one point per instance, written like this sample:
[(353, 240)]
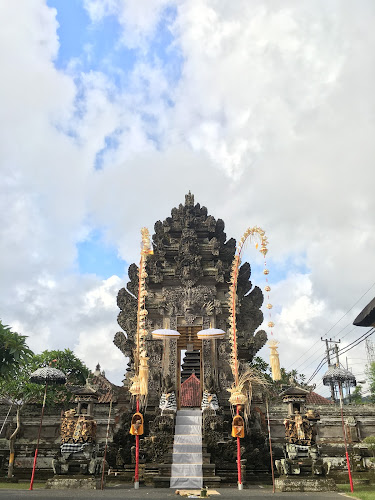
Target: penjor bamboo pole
[(270, 442), (346, 446), (239, 478), (136, 472), (106, 444), (240, 485), (37, 443)]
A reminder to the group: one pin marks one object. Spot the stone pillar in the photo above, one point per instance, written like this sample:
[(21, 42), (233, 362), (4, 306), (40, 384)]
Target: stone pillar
[(207, 362), (173, 365)]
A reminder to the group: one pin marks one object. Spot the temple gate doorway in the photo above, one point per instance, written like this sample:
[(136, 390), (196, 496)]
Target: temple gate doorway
[(189, 349)]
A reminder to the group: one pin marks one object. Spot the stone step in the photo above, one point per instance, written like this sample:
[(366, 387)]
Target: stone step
[(186, 470), (188, 439), (186, 448), (186, 482), (206, 469), (189, 429), (189, 412), (189, 420), (187, 458), (164, 482)]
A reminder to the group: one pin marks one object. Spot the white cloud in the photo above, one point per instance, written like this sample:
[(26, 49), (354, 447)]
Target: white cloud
[(271, 123), (139, 18)]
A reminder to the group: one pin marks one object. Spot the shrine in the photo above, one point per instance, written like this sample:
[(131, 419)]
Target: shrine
[(186, 342)]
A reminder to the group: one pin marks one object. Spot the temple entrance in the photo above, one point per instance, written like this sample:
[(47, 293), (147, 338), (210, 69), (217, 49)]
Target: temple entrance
[(189, 372)]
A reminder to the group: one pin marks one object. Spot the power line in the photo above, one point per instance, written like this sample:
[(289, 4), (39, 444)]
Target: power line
[(288, 368), (355, 340), (313, 354), (343, 350), (352, 347), (320, 365)]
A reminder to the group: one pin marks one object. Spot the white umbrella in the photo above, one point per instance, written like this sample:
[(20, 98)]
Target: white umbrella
[(164, 333), (210, 333)]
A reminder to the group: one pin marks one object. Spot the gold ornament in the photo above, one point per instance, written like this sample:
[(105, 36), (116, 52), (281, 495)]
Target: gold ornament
[(271, 324), (274, 360), (269, 306), (267, 288), (266, 271)]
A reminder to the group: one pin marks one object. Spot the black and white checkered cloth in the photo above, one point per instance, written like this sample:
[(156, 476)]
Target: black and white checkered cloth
[(72, 447)]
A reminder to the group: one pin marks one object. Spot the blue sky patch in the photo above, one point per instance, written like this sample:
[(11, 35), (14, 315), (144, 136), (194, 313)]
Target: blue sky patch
[(95, 46), (95, 256), (279, 270)]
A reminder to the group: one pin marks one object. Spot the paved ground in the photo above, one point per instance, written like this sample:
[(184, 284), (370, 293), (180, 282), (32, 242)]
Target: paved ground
[(157, 494)]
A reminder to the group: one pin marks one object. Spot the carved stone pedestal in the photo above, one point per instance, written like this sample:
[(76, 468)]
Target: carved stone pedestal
[(304, 484), (65, 482)]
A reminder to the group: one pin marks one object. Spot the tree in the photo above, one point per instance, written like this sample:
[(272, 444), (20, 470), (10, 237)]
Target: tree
[(357, 395), (13, 351), (371, 379), (370, 441), (75, 370), (264, 368), (19, 391)]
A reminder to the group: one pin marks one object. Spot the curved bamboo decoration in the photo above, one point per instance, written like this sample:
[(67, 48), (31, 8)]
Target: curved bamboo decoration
[(139, 386), (254, 232)]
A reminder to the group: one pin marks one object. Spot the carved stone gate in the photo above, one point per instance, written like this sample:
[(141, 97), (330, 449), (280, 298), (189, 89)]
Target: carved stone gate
[(187, 285)]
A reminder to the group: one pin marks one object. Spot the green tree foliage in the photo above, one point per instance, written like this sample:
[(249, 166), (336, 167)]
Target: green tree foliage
[(75, 370), (370, 441), (371, 379), (14, 352), (19, 391), (286, 376), (357, 395)]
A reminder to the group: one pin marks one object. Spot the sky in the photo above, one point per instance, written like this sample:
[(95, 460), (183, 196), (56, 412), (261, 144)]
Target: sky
[(112, 110)]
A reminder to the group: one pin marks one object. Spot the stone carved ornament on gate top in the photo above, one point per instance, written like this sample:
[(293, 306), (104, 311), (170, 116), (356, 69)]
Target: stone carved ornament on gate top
[(187, 274)]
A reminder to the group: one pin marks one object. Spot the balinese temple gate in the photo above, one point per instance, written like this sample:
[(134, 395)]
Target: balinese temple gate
[(187, 285)]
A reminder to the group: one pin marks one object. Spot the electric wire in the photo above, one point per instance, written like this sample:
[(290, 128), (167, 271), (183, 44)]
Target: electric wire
[(343, 350), (288, 368)]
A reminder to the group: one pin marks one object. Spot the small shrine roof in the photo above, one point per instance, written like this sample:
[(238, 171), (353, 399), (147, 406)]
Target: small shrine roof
[(316, 399), (367, 316), (85, 390), (294, 391)]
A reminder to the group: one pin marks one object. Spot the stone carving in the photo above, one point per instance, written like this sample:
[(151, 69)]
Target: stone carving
[(77, 429), (189, 302), (188, 282), (301, 429), (68, 424), (209, 401)]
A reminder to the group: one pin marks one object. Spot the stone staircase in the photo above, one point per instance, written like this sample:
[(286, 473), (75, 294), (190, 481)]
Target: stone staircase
[(186, 470)]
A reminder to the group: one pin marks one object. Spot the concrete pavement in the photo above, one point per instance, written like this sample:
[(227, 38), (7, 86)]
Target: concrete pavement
[(127, 493)]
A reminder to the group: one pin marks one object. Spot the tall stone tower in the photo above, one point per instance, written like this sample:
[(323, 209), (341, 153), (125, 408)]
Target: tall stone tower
[(188, 283)]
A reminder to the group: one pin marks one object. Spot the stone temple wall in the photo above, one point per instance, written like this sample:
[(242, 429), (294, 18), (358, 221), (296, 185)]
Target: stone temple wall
[(360, 421), (50, 436)]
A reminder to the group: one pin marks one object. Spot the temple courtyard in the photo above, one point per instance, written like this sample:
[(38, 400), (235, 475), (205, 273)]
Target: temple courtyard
[(264, 493)]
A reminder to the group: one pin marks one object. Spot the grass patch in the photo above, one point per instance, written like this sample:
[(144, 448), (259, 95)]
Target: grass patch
[(364, 492), (21, 486)]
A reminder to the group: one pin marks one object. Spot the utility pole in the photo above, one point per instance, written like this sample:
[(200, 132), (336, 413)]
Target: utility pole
[(328, 349)]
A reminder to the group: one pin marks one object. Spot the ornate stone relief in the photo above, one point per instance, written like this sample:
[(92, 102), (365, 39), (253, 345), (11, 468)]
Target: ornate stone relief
[(187, 284)]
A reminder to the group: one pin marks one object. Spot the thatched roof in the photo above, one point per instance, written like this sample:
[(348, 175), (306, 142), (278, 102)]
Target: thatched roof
[(367, 316)]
